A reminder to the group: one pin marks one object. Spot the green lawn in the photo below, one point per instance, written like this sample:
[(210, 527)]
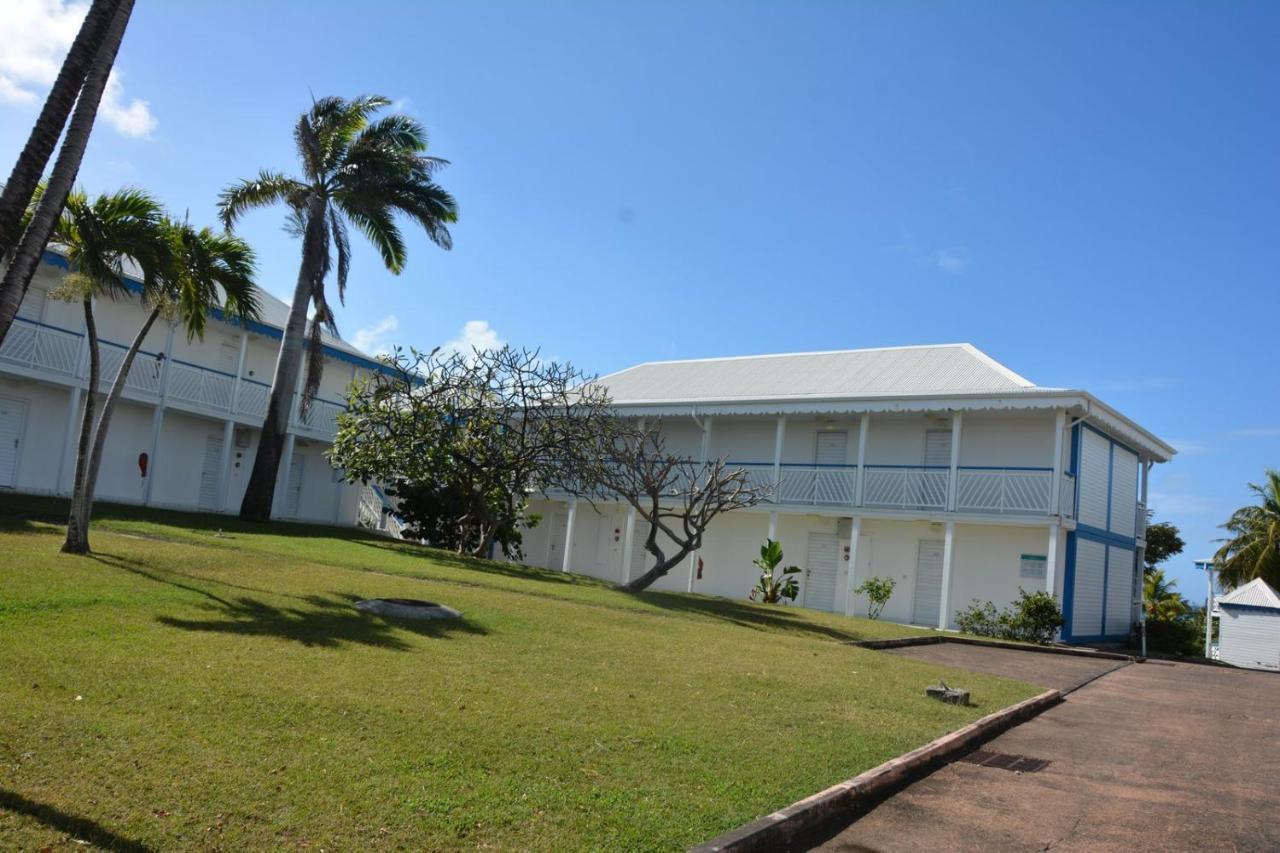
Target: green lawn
[(183, 688)]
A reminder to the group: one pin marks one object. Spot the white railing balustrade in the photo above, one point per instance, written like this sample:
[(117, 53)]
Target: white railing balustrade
[(903, 487), (1004, 490), (254, 398), (200, 386), (144, 373), (1140, 522), (322, 417), (37, 346), (1067, 500)]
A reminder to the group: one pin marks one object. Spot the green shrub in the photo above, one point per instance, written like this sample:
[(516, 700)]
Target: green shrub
[(1033, 618), (771, 588), (1183, 635), (877, 591)]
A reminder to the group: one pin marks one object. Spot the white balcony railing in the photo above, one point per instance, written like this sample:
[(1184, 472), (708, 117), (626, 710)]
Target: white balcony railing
[(1067, 499), (1004, 490), (254, 397), (201, 386), (39, 347), (809, 485), (1140, 522), (144, 373), (322, 417), (906, 487)]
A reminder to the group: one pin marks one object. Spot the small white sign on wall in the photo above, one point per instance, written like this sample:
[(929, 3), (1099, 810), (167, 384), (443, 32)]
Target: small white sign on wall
[(1033, 566)]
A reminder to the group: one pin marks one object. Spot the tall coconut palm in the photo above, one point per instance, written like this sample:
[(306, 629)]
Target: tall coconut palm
[(197, 271), (1162, 601), (23, 180), (48, 208), (355, 170), (1253, 550), (99, 235)]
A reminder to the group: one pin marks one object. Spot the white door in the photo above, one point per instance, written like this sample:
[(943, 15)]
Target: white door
[(293, 494), (608, 545), (831, 484), (211, 473), (928, 598), (822, 560), (228, 358), (937, 448), (13, 420), (555, 550)]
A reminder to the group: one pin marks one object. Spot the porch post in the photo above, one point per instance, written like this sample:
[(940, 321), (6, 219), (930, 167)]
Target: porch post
[(1051, 561), (1055, 491), (773, 524), (286, 469), (565, 561), (952, 483), (948, 551), (158, 418), (853, 564), (235, 389), (705, 455), (864, 426), (228, 439), (780, 434), (73, 418), (628, 544)]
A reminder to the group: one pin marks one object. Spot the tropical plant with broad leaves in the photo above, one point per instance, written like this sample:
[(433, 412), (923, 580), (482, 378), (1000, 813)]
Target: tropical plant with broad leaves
[(356, 170), (1161, 599), (1253, 548), (772, 587)]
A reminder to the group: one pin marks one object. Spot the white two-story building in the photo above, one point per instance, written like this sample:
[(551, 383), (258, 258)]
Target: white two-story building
[(187, 428), (933, 465)]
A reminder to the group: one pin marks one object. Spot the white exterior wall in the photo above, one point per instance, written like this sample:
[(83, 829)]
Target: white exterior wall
[(1249, 638), (988, 563), (1014, 441), (42, 433)]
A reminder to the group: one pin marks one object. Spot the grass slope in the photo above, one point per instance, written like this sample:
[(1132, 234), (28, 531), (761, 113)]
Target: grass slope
[(185, 689)]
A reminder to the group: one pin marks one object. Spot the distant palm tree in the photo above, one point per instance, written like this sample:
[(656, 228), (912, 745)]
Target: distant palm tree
[(197, 271), (356, 171), (1162, 601), (46, 209), (28, 169), (99, 235), (1253, 551)]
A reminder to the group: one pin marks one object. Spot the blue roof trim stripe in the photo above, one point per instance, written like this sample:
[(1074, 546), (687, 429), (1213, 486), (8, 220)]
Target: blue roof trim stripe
[(54, 259)]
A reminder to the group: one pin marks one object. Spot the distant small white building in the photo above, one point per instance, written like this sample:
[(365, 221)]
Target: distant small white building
[(1249, 626)]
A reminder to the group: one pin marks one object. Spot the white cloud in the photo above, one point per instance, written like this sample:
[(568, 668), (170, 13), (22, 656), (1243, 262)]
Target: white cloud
[(133, 118), (372, 339), (951, 261), (37, 36), (475, 335)]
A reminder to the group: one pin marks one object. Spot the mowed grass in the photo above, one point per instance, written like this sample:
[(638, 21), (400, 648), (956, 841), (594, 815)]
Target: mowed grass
[(186, 689)]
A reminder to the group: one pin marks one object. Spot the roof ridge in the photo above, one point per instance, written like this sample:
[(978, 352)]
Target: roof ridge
[(960, 345)]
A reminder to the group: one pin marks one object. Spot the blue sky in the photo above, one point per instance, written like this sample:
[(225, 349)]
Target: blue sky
[(1090, 192)]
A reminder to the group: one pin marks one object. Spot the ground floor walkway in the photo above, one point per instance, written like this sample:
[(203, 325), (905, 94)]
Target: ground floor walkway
[(1152, 756)]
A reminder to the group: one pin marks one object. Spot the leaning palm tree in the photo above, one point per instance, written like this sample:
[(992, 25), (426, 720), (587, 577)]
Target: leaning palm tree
[(198, 271), (354, 170), (1253, 550), (99, 235), (47, 207)]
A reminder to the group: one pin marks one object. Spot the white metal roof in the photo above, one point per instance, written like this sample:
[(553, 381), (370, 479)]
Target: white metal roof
[(1256, 593), (848, 374)]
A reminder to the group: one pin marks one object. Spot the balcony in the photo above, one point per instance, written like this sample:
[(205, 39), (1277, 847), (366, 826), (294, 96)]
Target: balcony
[(906, 487), (46, 349)]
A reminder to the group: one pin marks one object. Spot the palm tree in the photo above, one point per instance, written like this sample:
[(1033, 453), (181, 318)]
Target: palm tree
[(1162, 601), (199, 270), (98, 235), (48, 208), (356, 171), (25, 177), (1253, 551)]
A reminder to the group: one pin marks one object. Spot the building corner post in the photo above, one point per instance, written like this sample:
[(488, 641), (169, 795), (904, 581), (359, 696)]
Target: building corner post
[(948, 553), (565, 558), (854, 531)]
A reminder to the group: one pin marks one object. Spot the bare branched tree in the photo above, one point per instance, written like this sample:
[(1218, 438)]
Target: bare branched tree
[(679, 496)]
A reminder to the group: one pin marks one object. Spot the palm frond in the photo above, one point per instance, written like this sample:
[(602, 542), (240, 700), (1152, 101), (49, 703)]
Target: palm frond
[(379, 226), (342, 243), (266, 189)]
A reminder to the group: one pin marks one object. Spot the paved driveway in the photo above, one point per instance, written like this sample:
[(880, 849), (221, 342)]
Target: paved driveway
[(1153, 756)]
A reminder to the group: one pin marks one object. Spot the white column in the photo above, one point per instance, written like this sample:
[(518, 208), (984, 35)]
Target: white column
[(565, 560), (224, 481), (235, 388), (68, 437), (705, 452), (773, 524), (1055, 491), (1208, 612), (779, 436), (948, 551), (282, 476), (853, 565), (157, 422), (864, 427), (628, 544), (952, 482), (1051, 561)]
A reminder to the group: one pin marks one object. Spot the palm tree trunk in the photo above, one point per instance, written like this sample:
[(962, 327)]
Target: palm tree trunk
[(77, 541), (44, 136), (261, 490), (26, 258), (90, 484)]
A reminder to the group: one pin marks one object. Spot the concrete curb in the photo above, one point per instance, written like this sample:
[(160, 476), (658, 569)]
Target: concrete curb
[(776, 831), (1075, 651)]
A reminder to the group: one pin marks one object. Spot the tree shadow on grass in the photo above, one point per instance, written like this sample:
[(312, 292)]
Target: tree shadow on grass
[(327, 623), (751, 615), (477, 564), (80, 828)]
